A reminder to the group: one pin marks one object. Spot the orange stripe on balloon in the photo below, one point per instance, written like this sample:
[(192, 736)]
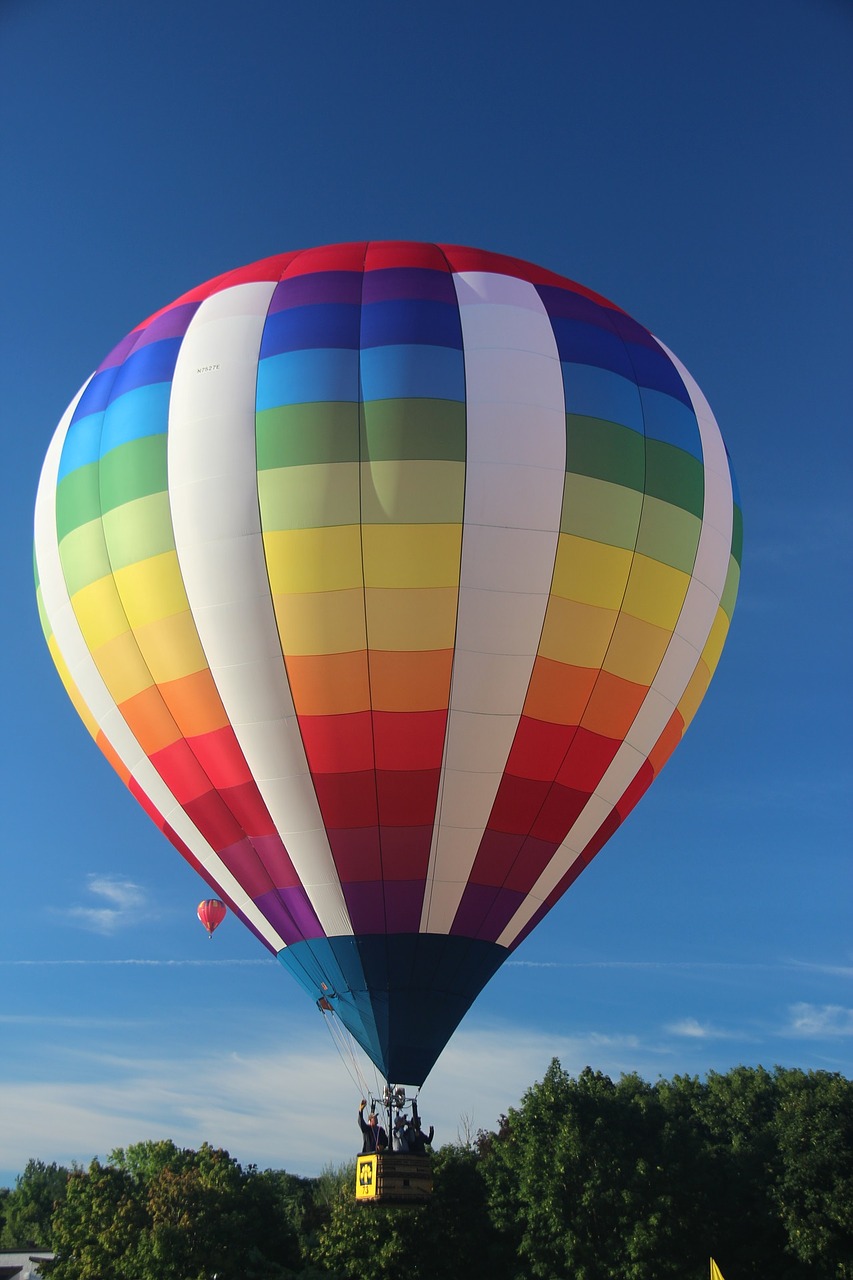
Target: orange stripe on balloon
[(558, 692), (195, 703), (403, 681), (110, 753), (329, 684), (150, 720), (667, 742), (613, 705)]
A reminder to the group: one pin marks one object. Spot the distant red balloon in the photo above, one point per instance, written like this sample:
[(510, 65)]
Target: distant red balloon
[(211, 913)]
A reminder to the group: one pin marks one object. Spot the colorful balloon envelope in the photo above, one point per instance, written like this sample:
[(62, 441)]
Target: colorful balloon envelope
[(211, 913), (388, 576)]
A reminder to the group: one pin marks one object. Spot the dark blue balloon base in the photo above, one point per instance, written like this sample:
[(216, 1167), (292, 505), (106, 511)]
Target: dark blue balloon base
[(400, 995)]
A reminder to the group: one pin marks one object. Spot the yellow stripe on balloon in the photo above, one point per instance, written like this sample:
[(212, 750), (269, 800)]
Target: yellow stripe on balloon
[(171, 647), (636, 649), (122, 668), (590, 572), (413, 555), (99, 612), (152, 589), (655, 592), (316, 622), (411, 619), (576, 633), (313, 559), (716, 639), (695, 691)]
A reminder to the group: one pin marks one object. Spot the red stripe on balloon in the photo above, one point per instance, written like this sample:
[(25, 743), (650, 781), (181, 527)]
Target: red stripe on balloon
[(539, 748), (382, 254), (461, 258), (587, 760)]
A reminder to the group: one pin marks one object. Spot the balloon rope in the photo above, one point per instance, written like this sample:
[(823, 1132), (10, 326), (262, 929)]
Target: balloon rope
[(344, 1044)]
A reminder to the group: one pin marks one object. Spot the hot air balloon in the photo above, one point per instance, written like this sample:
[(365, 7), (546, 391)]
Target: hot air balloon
[(211, 912), (388, 576)]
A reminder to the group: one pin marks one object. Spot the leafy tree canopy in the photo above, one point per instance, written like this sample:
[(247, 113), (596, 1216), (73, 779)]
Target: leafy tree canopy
[(588, 1178)]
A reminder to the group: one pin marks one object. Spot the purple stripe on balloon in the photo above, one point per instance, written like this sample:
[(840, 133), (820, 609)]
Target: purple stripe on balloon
[(497, 852), (290, 913), (317, 286), (512, 862), (574, 306), (119, 352), (241, 859), (388, 283), (485, 911), (366, 906), (404, 901), (275, 858), (169, 324), (500, 913)]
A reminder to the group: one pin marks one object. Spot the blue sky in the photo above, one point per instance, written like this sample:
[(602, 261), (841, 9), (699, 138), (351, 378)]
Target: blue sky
[(689, 162)]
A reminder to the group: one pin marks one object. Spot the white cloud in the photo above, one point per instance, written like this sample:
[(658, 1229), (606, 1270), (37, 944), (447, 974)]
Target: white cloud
[(695, 1030), (123, 893), (288, 1102), (290, 1106), (834, 970), (123, 897), (812, 1020)]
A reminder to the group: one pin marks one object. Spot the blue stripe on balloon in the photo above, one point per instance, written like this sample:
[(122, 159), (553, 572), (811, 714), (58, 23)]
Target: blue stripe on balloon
[(670, 420), (97, 394), (598, 393), (581, 343), (141, 412), (302, 377), (82, 443), (327, 324), (418, 321), (400, 995), (150, 363), (412, 372), (654, 369)]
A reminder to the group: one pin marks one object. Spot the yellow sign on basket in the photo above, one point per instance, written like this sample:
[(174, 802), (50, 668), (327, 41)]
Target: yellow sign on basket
[(366, 1179)]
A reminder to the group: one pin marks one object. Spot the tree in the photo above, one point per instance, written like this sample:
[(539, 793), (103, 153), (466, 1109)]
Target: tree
[(813, 1191), (170, 1214), (28, 1208), (96, 1228), (577, 1179)]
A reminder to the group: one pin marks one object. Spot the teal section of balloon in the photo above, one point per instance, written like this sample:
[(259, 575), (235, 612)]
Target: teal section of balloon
[(400, 996)]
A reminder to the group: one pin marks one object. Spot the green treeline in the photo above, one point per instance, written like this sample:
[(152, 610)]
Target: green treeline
[(587, 1179)]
